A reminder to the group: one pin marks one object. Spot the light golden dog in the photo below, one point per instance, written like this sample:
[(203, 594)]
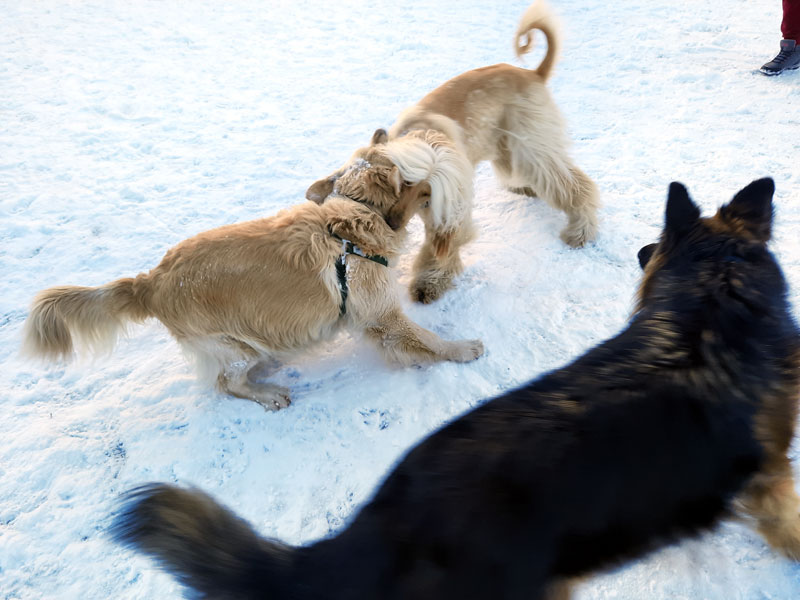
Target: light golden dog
[(244, 297), (503, 114)]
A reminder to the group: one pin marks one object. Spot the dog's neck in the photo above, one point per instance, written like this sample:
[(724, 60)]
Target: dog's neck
[(349, 247), (337, 194)]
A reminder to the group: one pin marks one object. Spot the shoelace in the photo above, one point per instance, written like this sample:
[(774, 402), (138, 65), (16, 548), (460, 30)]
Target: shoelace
[(782, 56)]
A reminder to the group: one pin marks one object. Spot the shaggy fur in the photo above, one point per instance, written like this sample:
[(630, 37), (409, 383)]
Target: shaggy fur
[(242, 298), (503, 114), (654, 435)]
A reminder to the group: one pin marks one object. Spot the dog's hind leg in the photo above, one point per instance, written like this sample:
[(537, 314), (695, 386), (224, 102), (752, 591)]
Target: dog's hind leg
[(242, 381), (772, 501), (404, 342), (566, 188), (532, 156), (439, 261), (236, 366)]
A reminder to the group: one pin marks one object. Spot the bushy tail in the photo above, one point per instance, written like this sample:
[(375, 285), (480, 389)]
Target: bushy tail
[(428, 155), (92, 316), (538, 16), (203, 544)]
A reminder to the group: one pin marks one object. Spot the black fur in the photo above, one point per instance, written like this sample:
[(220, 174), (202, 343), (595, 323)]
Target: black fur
[(645, 439)]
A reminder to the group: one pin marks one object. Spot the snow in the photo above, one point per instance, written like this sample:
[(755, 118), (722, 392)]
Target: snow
[(127, 127)]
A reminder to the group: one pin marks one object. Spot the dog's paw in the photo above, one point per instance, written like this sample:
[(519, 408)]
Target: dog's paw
[(468, 350), (271, 397), (426, 291), (577, 237), (280, 401)]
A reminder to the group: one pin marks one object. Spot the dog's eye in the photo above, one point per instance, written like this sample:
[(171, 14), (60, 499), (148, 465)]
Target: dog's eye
[(426, 204)]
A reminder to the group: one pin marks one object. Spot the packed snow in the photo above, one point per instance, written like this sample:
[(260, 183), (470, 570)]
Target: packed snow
[(126, 127)]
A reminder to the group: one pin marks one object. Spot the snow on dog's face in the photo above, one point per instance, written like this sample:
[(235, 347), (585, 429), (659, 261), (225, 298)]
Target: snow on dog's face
[(361, 158), (371, 178)]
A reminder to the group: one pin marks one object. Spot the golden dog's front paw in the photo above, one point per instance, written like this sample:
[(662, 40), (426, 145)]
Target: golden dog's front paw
[(425, 291), (468, 350)]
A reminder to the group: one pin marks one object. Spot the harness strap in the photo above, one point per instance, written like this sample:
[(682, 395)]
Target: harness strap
[(349, 247)]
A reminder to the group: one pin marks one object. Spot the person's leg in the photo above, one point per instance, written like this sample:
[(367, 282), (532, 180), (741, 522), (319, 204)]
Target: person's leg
[(789, 56), (790, 26)]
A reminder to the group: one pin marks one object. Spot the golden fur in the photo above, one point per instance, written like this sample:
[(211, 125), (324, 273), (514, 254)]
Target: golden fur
[(243, 296), (503, 114)]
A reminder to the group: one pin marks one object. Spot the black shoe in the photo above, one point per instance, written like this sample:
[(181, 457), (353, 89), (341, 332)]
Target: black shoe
[(788, 58)]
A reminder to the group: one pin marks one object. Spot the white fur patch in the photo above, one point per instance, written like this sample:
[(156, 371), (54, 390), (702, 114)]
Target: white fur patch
[(429, 156)]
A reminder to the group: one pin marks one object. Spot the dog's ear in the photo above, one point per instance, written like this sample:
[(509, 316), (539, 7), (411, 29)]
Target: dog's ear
[(682, 213), (367, 230), (319, 190), (751, 209), (379, 137), (396, 180), (645, 254)]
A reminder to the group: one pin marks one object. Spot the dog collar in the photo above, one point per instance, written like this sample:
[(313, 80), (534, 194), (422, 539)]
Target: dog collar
[(349, 247)]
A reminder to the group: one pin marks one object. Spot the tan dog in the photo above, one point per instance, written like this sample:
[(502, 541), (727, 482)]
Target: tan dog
[(244, 296), (503, 114)]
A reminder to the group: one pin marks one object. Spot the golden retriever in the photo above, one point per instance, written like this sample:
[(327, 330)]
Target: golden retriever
[(503, 114), (244, 297)]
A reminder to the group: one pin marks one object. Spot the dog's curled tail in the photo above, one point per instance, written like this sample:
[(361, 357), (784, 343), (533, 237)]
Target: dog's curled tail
[(538, 16), (94, 316), (203, 544)]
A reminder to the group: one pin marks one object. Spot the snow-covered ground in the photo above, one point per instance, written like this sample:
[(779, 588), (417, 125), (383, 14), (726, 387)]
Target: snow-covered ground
[(126, 127)]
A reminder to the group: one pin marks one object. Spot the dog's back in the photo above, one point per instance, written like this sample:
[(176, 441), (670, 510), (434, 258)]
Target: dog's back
[(645, 439), (460, 97), (215, 281)]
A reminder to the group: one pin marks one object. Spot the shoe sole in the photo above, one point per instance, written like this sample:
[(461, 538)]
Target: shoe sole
[(770, 73)]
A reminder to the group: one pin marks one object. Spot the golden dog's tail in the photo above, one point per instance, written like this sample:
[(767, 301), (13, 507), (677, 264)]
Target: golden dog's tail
[(93, 316), (538, 16)]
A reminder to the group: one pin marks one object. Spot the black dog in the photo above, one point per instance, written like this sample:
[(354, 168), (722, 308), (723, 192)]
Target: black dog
[(651, 436)]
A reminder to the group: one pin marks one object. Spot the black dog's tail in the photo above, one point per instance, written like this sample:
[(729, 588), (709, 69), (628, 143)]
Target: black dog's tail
[(207, 547)]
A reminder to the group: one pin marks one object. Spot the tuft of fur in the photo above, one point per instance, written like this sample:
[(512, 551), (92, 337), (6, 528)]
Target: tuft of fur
[(203, 543), (656, 434), (429, 156), (93, 317)]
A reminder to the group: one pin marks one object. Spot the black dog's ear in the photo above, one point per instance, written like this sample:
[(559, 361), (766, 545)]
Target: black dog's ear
[(379, 137), (320, 190), (645, 254), (751, 209), (682, 213)]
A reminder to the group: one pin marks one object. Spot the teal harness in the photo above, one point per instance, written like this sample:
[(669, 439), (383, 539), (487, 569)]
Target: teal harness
[(349, 247)]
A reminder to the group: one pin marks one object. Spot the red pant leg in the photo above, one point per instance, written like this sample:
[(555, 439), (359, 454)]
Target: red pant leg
[(790, 26)]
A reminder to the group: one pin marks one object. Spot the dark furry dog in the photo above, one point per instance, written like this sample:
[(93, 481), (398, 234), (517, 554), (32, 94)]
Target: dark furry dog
[(681, 419)]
